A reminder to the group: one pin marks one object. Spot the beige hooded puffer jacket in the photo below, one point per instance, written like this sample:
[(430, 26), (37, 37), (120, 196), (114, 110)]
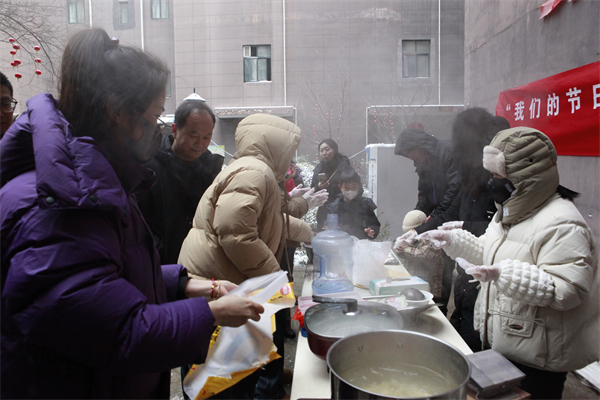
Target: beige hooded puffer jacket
[(239, 228), (538, 227)]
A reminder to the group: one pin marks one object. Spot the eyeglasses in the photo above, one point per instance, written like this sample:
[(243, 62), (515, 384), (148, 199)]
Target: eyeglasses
[(158, 130), (9, 106)]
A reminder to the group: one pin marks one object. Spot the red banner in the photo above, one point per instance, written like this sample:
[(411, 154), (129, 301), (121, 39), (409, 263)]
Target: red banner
[(547, 7), (565, 107)]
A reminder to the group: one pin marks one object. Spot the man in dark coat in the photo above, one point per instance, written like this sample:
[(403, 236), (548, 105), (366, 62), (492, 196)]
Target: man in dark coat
[(185, 169), (439, 184)]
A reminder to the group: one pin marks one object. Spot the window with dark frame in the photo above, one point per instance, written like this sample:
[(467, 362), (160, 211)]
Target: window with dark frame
[(124, 11), (415, 58), (257, 63), (123, 14), (76, 10), (159, 9)]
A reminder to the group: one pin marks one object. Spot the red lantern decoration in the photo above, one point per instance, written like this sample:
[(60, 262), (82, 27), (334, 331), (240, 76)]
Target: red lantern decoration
[(37, 48), (16, 46), (37, 60), (13, 52), (13, 64), (38, 72), (18, 76), (18, 62), (11, 40)]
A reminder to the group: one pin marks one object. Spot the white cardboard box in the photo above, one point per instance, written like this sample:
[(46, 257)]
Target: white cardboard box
[(379, 287)]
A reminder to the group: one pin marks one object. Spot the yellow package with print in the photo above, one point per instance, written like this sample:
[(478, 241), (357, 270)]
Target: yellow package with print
[(237, 352)]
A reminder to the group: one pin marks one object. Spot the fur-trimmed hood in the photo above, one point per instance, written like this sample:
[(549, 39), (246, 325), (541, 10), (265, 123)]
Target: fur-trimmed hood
[(528, 159)]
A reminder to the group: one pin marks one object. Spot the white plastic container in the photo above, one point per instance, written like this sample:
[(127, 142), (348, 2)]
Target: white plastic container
[(332, 259)]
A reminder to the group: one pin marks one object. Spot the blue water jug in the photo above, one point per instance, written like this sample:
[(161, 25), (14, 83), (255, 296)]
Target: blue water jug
[(332, 259)]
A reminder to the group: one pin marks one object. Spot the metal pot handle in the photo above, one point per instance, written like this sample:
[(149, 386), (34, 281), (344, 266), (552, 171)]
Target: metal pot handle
[(352, 304)]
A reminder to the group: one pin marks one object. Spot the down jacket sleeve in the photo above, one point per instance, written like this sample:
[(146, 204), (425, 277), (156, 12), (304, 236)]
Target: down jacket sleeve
[(423, 202), (525, 282), (465, 245), (571, 268), (236, 222), (83, 304), (453, 181), (299, 230)]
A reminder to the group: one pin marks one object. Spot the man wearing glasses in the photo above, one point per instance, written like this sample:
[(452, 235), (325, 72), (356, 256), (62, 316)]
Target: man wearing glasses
[(185, 169), (7, 103)]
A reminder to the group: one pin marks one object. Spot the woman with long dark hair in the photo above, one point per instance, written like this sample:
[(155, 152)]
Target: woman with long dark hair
[(327, 176), (87, 309)]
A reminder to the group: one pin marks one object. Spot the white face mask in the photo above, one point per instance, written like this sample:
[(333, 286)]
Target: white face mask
[(350, 194)]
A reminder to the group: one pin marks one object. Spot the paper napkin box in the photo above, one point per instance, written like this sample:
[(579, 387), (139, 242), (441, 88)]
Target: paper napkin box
[(379, 287)]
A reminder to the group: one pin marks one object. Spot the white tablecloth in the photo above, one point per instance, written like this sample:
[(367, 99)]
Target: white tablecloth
[(311, 379)]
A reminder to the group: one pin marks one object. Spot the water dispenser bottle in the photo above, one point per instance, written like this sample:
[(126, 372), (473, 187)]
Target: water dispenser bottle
[(332, 259)]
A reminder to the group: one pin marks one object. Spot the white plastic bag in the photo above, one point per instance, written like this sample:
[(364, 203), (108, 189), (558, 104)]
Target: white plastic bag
[(369, 258), (239, 351)]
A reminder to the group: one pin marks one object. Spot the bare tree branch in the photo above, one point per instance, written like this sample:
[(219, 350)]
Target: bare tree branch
[(34, 23), (398, 118), (330, 99)]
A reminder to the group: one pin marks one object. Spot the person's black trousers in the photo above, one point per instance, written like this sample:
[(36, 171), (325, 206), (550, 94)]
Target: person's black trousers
[(542, 384)]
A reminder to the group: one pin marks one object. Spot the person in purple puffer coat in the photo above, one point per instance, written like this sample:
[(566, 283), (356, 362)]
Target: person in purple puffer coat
[(87, 309)]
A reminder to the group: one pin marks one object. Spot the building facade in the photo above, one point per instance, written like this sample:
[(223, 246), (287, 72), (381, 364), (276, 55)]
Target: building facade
[(338, 68), (323, 64)]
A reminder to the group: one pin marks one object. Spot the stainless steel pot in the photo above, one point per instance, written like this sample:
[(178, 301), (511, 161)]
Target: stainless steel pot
[(336, 318), (408, 364)]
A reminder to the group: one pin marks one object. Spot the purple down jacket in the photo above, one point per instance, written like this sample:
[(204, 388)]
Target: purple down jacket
[(87, 310)]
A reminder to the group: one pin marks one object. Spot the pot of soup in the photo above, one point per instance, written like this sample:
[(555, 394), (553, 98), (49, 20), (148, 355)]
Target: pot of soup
[(397, 365), (336, 318)]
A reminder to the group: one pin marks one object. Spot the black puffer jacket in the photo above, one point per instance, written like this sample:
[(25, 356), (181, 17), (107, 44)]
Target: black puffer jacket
[(356, 215), (439, 182), (170, 206)]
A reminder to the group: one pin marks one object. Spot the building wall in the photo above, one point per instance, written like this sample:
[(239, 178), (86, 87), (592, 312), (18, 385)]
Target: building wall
[(158, 39), (331, 60), (508, 45), (341, 56), (344, 56), (209, 37)]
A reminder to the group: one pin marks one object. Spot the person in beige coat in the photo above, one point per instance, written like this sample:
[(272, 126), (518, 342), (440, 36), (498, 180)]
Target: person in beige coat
[(537, 264), (239, 228)]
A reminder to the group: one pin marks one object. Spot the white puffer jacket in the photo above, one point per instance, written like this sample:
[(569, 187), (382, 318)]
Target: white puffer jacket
[(543, 310), (563, 336)]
